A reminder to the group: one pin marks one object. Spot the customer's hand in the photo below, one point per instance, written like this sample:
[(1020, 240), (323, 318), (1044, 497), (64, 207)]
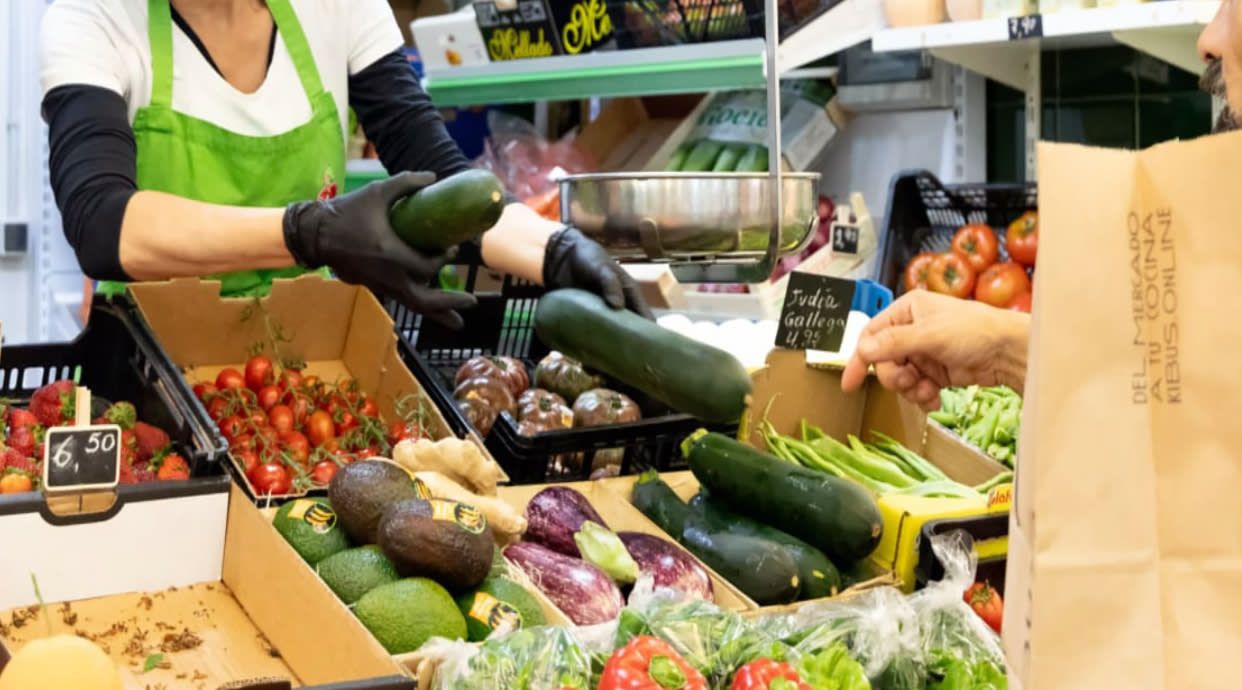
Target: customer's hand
[(352, 236), (573, 260), (924, 342)]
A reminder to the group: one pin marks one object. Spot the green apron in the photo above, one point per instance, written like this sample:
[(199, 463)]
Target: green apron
[(196, 159)]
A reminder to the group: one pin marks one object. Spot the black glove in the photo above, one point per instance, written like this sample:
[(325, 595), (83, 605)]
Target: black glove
[(352, 236), (573, 260)]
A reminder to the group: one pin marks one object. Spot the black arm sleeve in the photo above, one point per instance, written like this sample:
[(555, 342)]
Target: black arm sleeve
[(398, 116), (93, 165)]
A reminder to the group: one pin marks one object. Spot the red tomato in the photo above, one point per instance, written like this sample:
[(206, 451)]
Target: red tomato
[(297, 446), (1001, 283), (1021, 303), (348, 388), (259, 372), (231, 426), (242, 442), (917, 270), (1022, 239), (365, 453), (323, 472), (951, 274), (986, 601), (344, 421), (248, 459), (290, 379), (977, 244), (331, 445), (256, 418), (216, 408), (203, 389), (319, 428), (268, 396), (271, 479), (399, 431), (368, 408), (281, 418), (230, 379)]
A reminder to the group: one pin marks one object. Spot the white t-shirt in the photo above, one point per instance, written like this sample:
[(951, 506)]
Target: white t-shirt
[(104, 43)]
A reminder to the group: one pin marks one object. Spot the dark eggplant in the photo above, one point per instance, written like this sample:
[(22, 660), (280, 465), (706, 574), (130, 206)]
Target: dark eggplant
[(582, 591), (555, 515), (668, 564)]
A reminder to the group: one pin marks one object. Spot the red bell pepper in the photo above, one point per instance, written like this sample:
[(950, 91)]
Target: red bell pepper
[(766, 674), (649, 664)]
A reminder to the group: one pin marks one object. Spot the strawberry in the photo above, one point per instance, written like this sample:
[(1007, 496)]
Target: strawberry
[(16, 462), (22, 439), (142, 472), (150, 440), (173, 466), (121, 414), (21, 418), (129, 449), (53, 404)]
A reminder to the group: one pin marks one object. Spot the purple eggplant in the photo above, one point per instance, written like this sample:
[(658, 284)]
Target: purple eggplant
[(668, 564), (555, 515), (584, 592)]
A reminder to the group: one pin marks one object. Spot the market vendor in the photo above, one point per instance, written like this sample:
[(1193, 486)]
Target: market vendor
[(204, 137)]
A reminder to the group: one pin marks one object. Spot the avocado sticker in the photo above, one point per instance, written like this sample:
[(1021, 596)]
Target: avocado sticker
[(421, 490), (464, 516), (320, 517), (495, 614)]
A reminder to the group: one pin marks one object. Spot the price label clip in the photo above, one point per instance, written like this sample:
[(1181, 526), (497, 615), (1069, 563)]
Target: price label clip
[(82, 463)]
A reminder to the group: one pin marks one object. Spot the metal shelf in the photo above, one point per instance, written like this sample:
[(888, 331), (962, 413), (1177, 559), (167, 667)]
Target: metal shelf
[(1166, 30), (694, 68)]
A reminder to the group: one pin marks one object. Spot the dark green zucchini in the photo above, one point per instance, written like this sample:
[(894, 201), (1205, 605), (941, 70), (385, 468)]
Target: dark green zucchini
[(688, 376), (445, 214), (835, 515), (762, 569), (818, 576), (657, 500)]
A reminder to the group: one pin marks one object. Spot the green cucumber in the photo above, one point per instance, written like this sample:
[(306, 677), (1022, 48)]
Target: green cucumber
[(454, 210), (835, 515), (686, 375), (678, 158), (657, 500), (728, 158), (703, 156), (818, 576), (762, 569), (754, 160)]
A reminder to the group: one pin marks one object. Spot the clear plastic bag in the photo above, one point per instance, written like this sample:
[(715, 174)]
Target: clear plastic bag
[(962, 652), (542, 658), (528, 164)]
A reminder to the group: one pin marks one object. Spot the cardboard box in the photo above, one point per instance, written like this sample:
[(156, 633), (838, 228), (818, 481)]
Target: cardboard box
[(606, 496), (339, 330), (627, 137), (788, 390), (251, 607)]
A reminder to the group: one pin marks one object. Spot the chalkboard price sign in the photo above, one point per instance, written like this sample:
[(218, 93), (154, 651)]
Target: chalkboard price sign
[(815, 312), (82, 458), (845, 239), (1023, 28)]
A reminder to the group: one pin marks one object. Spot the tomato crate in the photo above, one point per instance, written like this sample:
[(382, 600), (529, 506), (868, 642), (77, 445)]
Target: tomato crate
[(116, 361), (503, 325), (923, 214)]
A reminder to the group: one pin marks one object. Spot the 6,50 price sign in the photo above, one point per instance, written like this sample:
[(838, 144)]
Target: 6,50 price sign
[(82, 458)]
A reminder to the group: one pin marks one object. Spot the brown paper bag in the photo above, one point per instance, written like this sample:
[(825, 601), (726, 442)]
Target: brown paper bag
[(1125, 547)]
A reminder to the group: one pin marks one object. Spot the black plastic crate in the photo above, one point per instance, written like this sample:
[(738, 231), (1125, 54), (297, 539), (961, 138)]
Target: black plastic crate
[(650, 23), (923, 214), (980, 528), (116, 361), (503, 324)]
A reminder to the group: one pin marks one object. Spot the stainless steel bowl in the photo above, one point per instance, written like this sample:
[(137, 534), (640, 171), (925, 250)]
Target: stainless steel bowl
[(689, 215)]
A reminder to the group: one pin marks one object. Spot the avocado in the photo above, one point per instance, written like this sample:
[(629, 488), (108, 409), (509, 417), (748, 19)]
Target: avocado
[(404, 614), (362, 491), (446, 541), (499, 605), (500, 567), (312, 528), (354, 572)]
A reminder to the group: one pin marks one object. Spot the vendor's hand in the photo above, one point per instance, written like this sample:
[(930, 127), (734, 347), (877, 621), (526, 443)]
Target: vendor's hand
[(352, 236), (573, 260), (924, 342)]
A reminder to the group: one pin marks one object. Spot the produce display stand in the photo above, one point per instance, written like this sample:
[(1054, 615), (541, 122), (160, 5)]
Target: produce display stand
[(338, 330), (205, 601)]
